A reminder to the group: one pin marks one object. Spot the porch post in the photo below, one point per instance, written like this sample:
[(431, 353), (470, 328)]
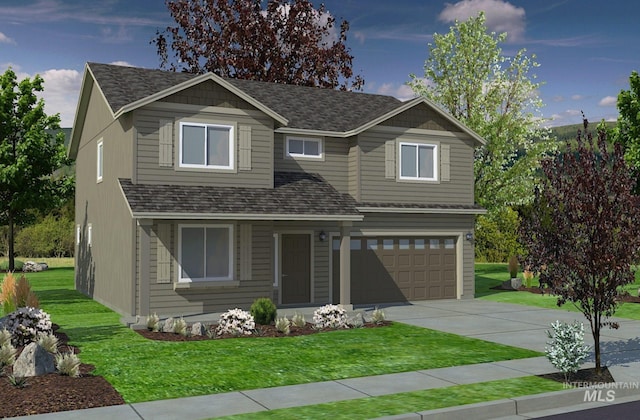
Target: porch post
[(143, 265), (345, 265)]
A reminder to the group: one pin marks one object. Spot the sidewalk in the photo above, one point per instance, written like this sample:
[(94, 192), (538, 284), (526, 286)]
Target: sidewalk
[(514, 325)]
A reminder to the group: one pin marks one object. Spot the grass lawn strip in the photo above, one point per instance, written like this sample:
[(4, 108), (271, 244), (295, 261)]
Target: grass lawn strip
[(489, 275), (143, 370), (410, 402)]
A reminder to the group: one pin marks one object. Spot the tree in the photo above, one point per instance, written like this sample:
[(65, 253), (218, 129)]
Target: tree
[(627, 131), (497, 97), (28, 155), (289, 42), (583, 231)]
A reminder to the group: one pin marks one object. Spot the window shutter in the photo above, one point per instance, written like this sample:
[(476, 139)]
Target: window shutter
[(390, 159), (245, 148), (163, 239), (165, 155), (445, 162), (245, 251)]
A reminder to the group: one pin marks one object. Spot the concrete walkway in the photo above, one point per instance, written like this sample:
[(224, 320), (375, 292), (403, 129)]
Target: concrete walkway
[(515, 325)]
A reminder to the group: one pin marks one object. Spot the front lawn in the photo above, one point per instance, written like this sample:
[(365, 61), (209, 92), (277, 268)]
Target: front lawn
[(143, 370), (489, 275)]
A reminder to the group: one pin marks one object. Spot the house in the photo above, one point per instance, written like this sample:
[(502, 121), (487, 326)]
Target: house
[(197, 193)]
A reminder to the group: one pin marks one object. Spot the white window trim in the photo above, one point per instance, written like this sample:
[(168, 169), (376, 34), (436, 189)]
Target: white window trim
[(78, 230), (89, 234), (231, 253), (232, 146), (417, 145), (99, 161), (320, 142)]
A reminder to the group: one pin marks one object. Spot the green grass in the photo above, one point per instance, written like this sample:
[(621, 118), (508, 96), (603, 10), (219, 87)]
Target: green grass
[(489, 275), (143, 370), (409, 402)]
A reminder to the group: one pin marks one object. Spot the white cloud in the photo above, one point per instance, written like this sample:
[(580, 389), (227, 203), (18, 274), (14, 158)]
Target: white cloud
[(61, 91), (5, 39), (501, 16), (558, 98), (608, 101), (402, 92), (119, 36), (122, 63), (578, 97)]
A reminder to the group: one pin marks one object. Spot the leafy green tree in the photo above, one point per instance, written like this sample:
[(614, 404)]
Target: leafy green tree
[(496, 96), (29, 155), (583, 231), (627, 131), (289, 41)]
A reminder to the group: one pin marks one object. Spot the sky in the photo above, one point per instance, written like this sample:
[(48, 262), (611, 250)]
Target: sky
[(587, 49)]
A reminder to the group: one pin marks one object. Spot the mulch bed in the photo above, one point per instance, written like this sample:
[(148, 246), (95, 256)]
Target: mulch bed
[(583, 377)]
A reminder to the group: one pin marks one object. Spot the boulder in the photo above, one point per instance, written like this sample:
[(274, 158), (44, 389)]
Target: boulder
[(197, 329), (33, 361), (31, 267)]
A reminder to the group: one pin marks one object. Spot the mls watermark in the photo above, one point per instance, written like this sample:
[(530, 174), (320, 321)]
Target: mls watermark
[(601, 392)]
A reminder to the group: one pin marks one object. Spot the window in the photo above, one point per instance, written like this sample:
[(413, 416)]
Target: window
[(206, 146), (78, 234), (206, 252), (418, 161), (89, 234), (304, 147), (99, 161)]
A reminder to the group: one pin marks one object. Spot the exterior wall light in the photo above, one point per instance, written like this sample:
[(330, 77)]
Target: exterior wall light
[(469, 236), (322, 236)]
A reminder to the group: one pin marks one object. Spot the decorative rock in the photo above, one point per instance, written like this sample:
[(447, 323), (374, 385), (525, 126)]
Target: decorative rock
[(33, 361), (197, 329), (516, 283), (31, 267), (168, 325)]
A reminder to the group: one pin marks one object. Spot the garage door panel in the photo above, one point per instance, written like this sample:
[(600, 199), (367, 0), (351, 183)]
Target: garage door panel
[(400, 269)]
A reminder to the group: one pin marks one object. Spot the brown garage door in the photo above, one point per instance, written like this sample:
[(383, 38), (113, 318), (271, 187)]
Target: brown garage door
[(387, 269)]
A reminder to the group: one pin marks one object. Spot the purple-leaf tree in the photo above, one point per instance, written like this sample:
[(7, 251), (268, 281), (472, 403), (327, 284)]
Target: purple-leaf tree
[(583, 232), (289, 42)]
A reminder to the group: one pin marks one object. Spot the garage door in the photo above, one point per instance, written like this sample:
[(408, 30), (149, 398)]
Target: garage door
[(387, 269)]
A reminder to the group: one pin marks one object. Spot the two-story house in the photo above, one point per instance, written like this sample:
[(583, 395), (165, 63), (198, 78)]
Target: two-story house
[(197, 193)]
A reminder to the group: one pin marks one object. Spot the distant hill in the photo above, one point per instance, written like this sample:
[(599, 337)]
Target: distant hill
[(569, 132)]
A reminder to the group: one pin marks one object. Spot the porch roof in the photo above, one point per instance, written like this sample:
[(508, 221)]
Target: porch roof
[(295, 196)]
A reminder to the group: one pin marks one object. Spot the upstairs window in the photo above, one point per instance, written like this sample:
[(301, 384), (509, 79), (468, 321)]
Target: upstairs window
[(418, 161), (304, 147), (99, 161), (206, 146)]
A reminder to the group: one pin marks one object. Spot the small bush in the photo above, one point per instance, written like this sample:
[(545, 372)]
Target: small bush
[(513, 266), (153, 322), (236, 322), (68, 364), (566, 350), (49, 342), (528, 278), (330, 316), (264, 311), (8, 293), (378, 316), (283, 325), (4, 265), (180, 327), (298, 320), (5, 337), (25, 324), (24, 295), (7, 355), (18, 381)]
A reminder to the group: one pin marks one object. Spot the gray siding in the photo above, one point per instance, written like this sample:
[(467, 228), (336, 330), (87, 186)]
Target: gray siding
[(375, 187), (353, 164), (209, 93), (168, 302), (148, 122), (421, 116), (104, 269), (333, 168)]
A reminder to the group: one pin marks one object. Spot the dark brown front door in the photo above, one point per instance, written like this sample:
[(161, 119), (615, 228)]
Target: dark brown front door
[(296, 269)]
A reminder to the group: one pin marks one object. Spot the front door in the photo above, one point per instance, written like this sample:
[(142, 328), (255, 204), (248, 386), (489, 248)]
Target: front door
[(296, 268)]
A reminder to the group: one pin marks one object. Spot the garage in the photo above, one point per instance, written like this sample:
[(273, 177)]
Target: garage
[(398, 269)]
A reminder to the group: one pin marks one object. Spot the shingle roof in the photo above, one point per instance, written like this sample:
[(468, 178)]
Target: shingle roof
[(295, 195), (305, 107)]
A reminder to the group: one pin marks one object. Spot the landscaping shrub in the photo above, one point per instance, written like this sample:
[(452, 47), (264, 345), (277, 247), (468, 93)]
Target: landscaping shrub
[(283, 325), (4, 265), (330, 316), (24, 325), (264, 311), (298, 320), (23, 294), (566, 350), (7, 355), (496, 235), (51, 237), (236, 322), (8, 293), (68, 364), (180, 327), (153, 322), (49, 342), (378, 316), (513, 266)]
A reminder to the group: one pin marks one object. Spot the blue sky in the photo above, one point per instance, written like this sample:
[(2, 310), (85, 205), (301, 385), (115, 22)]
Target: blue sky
[(587, 49)]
